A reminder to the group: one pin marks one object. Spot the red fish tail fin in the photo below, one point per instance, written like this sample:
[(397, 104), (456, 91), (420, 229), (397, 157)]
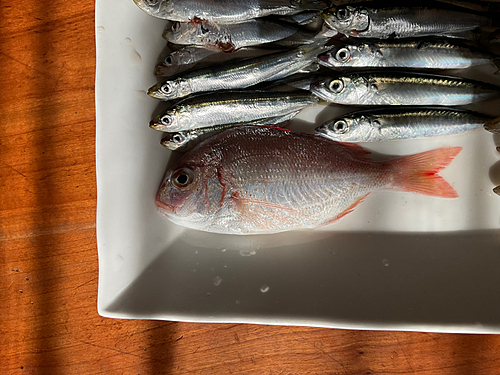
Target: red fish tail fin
[(419, 173)]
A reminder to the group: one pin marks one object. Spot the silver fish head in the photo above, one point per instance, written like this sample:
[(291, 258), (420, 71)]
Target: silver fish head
[(346, 19), (155, 8), (174, 141), (170, 89), (347, 89), (183, 33), (168, 66), (349, 129), (337, 57), (168, 121)]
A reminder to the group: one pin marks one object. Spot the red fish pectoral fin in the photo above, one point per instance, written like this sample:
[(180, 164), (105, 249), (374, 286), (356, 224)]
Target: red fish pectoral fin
[(266, 215), (347, 210)]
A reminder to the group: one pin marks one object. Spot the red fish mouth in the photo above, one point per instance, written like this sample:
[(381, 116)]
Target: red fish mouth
[(165, 206)]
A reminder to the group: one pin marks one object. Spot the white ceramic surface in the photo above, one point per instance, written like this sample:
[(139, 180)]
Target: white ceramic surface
[(400, 261)]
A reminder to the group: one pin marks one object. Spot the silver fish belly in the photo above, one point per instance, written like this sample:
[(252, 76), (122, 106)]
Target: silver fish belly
[(396, 123), (208, 109), (420, 54), (401, 88)]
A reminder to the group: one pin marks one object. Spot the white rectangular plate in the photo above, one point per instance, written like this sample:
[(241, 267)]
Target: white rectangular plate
[(400, 261)]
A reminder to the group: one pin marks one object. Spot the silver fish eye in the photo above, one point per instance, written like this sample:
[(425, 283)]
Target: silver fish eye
[(343, 14), (336, 85), (176, 26), (169, 61), (340, 127), (166, 89), (343, 55), (151, 2), (166, 120)]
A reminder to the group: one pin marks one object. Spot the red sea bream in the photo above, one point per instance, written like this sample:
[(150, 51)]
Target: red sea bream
[(251, 179)]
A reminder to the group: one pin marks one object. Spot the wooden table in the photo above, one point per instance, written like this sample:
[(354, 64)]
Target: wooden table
[(48, 285)]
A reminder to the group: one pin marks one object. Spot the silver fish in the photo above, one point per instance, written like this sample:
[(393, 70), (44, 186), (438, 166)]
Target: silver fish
[(184, 57), (477, 6), (401, 88), (190, 57), (231, 37), (224, 11), (406, 54), (227, 107), (237, 74), (186, 139), (401, 22), (252, 179), (395, 123)]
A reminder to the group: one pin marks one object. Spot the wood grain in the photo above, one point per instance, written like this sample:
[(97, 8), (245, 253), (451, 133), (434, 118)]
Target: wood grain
[(48, 257)]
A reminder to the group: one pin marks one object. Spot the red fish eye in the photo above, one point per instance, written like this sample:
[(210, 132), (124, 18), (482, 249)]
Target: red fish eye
[(176, 26), (182, 178)]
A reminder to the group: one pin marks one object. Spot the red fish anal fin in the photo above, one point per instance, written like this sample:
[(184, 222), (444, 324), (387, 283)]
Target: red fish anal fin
[(347, 210), (418, 173)]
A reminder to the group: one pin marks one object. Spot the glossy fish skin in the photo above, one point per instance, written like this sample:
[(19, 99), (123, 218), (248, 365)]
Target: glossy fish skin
[(228, 107), (396, 123), (190, 57), (401, 88), (401, 22), (224, 11), (231, 37), (248, 180), (186, 139), (237, 74), (404, 54)]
